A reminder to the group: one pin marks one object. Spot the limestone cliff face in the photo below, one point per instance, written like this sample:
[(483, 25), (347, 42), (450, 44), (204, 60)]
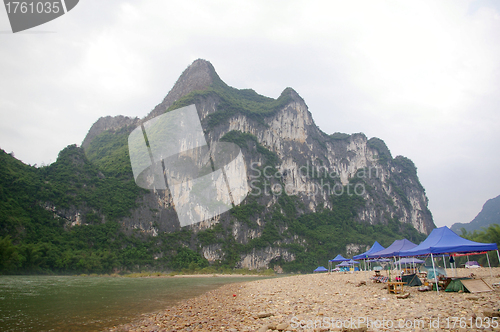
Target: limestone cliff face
[(199, 76), (310, 165), (301, 147), (108, 123)]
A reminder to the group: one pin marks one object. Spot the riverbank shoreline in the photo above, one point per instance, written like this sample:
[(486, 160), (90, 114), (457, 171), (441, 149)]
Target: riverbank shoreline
[(222, 275), (323, 301), (83, 304)]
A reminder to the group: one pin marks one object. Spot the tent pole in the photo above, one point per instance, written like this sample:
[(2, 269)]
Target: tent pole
[(435, 273), (453, 270), (498, 255), (488, 258)]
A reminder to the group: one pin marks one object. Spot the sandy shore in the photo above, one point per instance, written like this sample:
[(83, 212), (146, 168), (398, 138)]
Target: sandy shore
[(328, 302)]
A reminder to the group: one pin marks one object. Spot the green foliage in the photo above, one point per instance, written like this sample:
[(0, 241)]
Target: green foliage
[(327, 232), (35, 240), (211, 235), (339, 136), (486, 235), (105, 184), (384, 155), (407, 166), (248, 141), (9, 255), (243, 212), (232, 101), (188, 259)]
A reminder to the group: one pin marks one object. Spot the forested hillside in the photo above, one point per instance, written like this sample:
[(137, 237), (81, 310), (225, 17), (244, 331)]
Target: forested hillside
[(35, 240)]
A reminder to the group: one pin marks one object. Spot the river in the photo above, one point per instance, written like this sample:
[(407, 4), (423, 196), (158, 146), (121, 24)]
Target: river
[(77, 304)]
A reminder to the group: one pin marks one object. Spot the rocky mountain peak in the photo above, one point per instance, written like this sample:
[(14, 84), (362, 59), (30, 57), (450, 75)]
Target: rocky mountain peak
[(108, 123), (198, 76), (293, 94)]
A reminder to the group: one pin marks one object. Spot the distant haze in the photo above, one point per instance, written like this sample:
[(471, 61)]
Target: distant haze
[(490, 214)]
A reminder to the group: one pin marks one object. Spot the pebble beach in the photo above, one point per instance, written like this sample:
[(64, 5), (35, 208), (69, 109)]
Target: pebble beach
[(340, 301)]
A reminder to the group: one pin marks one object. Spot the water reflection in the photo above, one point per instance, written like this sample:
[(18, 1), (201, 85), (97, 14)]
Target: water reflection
[(64, 303)]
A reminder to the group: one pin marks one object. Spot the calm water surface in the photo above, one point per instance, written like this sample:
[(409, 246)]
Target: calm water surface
[(64, 303)]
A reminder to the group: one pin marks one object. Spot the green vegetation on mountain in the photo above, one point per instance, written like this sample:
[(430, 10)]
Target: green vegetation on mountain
[(233, 101), (35, 240), (244, 139), (339, 136), (384, 154)]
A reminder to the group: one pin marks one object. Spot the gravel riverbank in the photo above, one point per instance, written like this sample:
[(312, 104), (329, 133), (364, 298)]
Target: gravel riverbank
[(328, 302)]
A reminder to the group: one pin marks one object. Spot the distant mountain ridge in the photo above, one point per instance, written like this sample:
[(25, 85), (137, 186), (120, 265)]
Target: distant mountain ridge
[(490, 214)]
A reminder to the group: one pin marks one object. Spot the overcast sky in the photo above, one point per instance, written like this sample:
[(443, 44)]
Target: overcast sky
[(423, 76)]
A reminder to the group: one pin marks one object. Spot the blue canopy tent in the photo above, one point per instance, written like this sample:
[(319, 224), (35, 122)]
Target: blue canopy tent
[(344, 266), (394, 249), (382, 261), (321, 269), (352, 262), (345, 263), (374, 248), (337, 258), (411, 260), (444, 241)]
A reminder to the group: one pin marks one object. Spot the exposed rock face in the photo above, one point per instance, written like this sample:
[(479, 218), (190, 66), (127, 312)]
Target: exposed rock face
[(198, 76), (213, 253), (111, 123), (260, 259), (353, 248), (310, 165)]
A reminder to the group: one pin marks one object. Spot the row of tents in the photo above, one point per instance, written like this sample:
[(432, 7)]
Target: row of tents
[(441, 241)]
